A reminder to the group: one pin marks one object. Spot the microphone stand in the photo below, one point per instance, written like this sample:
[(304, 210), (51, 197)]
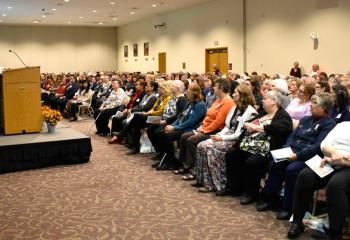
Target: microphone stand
[(18, 57)]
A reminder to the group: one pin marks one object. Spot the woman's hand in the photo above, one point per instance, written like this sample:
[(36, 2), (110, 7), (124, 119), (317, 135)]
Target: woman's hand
[(216, 138), (168, 128)]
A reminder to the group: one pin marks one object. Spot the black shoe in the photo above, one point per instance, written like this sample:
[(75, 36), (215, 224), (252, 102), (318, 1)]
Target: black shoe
[(133, 151), (165, 167), (283, 215), (223, 192), (156, 164), (295, 230), (103, 134), (195, 183), (97, 133), (263, 206), (245, 200)]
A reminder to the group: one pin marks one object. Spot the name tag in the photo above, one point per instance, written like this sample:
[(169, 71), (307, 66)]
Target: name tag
[(338, 116), (137, 100), (316, 127)]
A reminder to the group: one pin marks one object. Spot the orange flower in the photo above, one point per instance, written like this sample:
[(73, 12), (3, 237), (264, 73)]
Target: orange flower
[(51, 116)]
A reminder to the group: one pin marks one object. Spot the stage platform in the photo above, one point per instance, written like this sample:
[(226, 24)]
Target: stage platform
[(37, 150)]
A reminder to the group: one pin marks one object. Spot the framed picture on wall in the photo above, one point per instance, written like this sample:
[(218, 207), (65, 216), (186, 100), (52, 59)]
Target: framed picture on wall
[(136, 50), (146, 48), (126, 51)]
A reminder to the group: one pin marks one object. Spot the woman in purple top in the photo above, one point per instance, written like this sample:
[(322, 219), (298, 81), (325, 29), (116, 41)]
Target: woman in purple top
[(300, 107)]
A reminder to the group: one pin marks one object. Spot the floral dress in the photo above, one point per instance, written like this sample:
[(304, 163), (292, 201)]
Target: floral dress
[(210, 168)]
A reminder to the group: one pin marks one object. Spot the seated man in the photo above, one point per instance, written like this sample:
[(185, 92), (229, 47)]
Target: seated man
[(305, 143), (336, 148)]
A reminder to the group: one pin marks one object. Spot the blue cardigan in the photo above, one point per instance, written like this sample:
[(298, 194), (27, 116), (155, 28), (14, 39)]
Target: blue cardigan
[(305, 140), (191, 118)]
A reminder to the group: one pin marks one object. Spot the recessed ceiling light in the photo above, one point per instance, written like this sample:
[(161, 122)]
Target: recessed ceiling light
[(43, 16), (66, 0), (132, 13), (9, 7), (1, 21), (115, 19), (69, 22), (112, 3), (36, 21), (94, 11), (100, 23), (54, 9), (80, 17), (154, 5), (4, 15)]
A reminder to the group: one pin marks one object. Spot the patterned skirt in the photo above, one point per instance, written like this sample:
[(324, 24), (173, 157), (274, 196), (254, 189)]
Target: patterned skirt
[(210, 167)]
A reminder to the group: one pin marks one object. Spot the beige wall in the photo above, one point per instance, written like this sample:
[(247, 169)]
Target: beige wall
[(277, 35), (187, 34), (59, 49)]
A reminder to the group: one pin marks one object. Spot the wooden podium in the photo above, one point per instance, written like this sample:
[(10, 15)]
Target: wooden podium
[(20, 98)]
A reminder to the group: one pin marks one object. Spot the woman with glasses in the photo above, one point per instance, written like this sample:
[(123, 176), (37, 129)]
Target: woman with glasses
[(300, 107)]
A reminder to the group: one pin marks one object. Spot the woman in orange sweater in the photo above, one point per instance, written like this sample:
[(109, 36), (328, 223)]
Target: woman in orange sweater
[(213, 122)]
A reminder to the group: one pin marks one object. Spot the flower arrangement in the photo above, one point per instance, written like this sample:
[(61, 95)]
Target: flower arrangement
[(51, 116)]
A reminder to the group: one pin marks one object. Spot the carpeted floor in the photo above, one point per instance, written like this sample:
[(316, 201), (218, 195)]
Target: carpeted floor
[(116, 196)]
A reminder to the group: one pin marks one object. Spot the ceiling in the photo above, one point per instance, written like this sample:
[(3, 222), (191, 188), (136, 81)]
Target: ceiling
[(104, 13)]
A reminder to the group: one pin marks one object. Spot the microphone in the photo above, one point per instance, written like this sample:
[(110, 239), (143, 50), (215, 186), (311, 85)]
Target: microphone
[(17, 57)]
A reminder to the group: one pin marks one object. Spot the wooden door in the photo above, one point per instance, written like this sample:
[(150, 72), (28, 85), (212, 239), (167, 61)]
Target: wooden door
[(162, 62), (217, 56)]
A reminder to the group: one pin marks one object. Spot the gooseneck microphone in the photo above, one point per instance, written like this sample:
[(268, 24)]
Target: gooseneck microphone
[(17, 57)]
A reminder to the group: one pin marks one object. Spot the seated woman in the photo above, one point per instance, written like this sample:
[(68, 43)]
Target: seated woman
[(212, 123), (53, 99), (247, 164), (119, 117), (139, 121), (108, 108), (189, 119), (322, 86), (120, 124), (305, 143), (173, 109), (210, 166), (336, 148), (82, 97), (341, 108), (300, 107), (293, 88)]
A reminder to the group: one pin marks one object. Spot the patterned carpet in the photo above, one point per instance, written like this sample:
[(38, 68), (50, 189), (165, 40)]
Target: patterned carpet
[(116, 196)]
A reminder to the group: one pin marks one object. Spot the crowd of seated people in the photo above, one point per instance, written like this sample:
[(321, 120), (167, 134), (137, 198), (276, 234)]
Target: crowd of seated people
[(218, 130)]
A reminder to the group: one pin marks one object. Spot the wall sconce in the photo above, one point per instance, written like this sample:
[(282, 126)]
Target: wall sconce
[(315, 40)]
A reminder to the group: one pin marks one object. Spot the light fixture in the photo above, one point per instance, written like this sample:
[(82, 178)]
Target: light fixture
[(69, 22), (9, 7), (80, 17), (54, 9), (4, 15), (100, 23), (112, 3), (66, 0), (154, 5), (132, 13), (1, 21), (115, 19), (36, 21), (43, 16), (94, 11)]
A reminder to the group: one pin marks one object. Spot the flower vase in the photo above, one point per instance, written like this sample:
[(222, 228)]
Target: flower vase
[(50, 128)]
